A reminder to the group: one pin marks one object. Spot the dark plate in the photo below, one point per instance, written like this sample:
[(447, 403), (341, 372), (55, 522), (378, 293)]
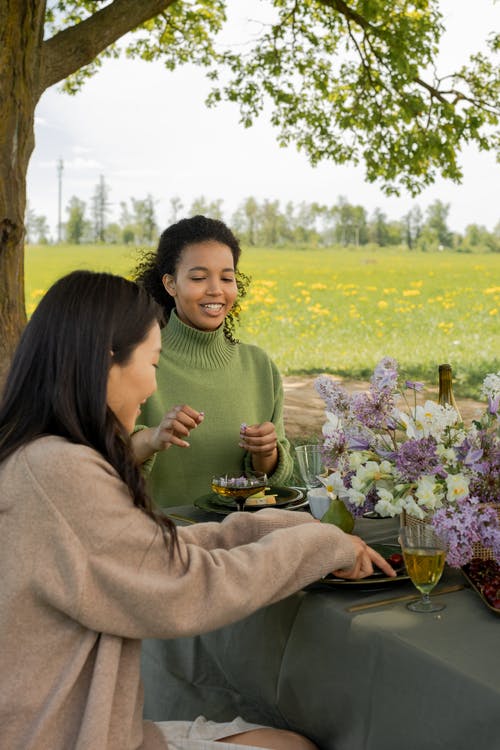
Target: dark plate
[(478, 591), (287, 497), (378, 579)]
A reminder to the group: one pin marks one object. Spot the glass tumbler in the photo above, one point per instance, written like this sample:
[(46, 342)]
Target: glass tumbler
[(310, 463)]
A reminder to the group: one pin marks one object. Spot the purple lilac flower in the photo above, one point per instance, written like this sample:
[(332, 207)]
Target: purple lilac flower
[(387, 455), (337, 399), (371, 497), (418, 457), (493, 404), (369, 504), (334, 447), (485, 482), (463, 526), (414, 385), (459, 526), (489, 529), (356, 441), (471, 459), (385, 375), (486, 486), (347, 478), (469, 454), (373, 409), (356, 511)]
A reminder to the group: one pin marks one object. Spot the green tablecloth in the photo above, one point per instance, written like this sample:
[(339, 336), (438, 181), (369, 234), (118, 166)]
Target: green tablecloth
[(381, 679)]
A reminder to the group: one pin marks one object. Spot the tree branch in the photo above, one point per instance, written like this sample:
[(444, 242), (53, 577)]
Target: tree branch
[(349, 13), (434, 93), (78, 45)]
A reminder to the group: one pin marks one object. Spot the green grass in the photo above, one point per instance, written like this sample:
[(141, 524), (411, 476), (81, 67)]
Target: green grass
[(44, 264), (341, 310)]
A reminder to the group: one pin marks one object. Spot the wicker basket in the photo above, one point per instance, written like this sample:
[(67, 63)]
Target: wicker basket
[(484, 553)]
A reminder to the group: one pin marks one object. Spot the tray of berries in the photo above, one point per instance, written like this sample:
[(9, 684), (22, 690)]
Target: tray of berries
[(484, 577)]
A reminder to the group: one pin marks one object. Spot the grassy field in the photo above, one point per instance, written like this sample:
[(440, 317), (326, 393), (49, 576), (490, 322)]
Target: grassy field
[(341, 310)]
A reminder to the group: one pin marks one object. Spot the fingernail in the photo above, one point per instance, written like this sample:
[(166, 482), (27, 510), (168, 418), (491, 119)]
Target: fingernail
[(243, 426)]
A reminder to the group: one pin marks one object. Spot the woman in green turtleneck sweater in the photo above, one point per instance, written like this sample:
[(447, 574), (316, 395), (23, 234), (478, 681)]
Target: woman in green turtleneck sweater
[(231, 392)]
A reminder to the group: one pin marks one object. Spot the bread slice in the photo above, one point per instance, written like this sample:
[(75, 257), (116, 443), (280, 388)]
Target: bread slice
[(260, 498)]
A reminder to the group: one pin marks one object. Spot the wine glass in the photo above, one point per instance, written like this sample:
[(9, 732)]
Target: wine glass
[(310, 463), (424, 553), (240, 486)]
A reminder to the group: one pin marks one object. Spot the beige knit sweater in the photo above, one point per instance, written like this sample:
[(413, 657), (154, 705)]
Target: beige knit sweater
[(85, 575)]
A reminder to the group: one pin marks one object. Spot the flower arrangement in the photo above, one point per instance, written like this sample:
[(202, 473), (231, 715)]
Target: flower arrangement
[(386, 453)]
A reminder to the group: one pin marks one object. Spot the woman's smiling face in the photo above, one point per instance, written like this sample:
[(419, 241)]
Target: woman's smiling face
[(204, 285)]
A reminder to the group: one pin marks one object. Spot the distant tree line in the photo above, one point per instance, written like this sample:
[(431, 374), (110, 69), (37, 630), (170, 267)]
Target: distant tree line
[(268, 224)]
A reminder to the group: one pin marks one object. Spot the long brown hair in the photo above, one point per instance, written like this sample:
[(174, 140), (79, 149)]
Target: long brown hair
[(57, 383)]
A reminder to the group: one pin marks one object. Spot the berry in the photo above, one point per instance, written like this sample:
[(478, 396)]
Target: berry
[(395, 560)]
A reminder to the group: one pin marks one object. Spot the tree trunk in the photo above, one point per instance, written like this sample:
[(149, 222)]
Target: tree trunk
[(21, 29), (29, 65)]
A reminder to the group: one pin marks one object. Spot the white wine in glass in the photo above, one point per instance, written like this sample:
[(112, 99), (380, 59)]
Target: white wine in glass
[(239, 487), (424, 554)]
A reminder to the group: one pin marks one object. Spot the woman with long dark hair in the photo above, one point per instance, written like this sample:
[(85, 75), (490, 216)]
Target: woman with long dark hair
[(88, 567), (234, 388)]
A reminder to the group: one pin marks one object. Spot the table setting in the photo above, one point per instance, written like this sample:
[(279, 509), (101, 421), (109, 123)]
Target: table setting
[(334, 661), (355, 664), (331, 660), (381, 534)]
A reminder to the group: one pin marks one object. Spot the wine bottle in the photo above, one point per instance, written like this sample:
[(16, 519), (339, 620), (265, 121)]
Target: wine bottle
[(446, 389)]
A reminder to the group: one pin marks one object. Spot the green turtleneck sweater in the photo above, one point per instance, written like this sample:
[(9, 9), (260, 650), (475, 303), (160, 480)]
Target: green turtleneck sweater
[(232, 384)]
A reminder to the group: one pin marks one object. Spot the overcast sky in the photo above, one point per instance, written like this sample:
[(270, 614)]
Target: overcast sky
[(146, 130)]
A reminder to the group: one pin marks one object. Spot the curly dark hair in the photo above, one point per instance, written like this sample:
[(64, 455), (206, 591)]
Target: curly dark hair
[(152, 266)]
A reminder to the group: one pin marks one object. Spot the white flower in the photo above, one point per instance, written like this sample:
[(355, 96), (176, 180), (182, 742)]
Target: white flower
[(432, 419), (372, 471), (385, 495), (385, 509), (332, 425), (386, 467), (448, 417), (386, 505), (447, 455), (398, 505), (428, 493), (356, 459), (458, 434), (413, 508), (333, 484), (491, 386), (355, 497), (365, 475), (358, 483), (458, 487), (407, 421)]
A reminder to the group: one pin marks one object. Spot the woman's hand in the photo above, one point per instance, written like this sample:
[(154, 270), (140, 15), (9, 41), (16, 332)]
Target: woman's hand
[(261, 441), (173, 429), (363, 565)]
